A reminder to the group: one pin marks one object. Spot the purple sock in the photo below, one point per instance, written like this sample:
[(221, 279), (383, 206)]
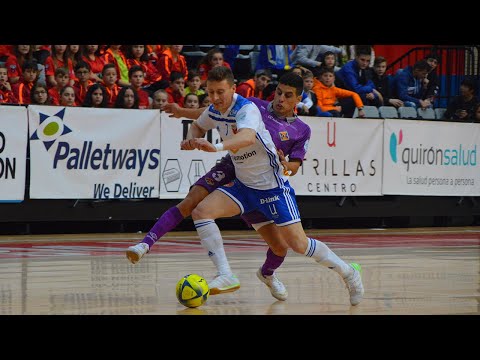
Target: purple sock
[(168, 221), (272, 263)]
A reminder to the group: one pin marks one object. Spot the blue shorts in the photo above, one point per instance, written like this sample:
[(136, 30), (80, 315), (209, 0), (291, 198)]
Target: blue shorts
[(276, 204)]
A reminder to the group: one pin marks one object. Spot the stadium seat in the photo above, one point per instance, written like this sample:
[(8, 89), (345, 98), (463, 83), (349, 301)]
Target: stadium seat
[(406, 112), (388, 112), (371, 112), (426, 114), (440, 113)]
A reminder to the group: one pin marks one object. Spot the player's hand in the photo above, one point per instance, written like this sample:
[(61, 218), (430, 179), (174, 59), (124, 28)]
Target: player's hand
[(204, 145), (187, 145), (173, 108), (284, 162)]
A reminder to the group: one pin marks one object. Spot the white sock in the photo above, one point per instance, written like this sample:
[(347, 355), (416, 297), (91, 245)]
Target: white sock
[(326, 257), (212, 241)]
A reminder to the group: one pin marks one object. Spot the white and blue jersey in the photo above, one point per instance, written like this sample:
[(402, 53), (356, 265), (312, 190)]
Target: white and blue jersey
[(256, 166)]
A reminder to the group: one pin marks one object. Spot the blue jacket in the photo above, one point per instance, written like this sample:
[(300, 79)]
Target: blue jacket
[(349, 74), (407, 87), (270, 58)]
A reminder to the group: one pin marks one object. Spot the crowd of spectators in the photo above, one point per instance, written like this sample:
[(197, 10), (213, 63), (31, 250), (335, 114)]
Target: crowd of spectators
[(338, 80)]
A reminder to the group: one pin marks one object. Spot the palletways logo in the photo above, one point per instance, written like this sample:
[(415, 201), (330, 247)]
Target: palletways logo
[(50, 128), (429, 155), (394, 142)]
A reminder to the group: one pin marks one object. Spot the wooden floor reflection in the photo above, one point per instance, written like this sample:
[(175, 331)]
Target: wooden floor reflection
[(405, 271)]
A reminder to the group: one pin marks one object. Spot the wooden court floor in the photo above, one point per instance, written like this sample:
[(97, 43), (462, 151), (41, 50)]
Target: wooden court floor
[(405, 271)]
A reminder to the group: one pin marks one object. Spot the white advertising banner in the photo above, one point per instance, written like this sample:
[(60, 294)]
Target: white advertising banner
[(344, 158), (13, 152), (431, 158), (182, 168), (91, 153)]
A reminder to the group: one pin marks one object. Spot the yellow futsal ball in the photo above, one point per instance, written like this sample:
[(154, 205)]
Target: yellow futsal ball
[(192, 290)]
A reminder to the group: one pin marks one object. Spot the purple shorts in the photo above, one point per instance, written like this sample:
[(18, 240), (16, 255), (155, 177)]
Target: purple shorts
[(222, 173)]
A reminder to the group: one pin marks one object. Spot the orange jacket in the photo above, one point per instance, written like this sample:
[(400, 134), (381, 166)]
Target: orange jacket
[(327, 96)]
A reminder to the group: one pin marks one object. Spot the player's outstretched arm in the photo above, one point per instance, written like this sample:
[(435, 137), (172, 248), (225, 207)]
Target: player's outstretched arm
[(177, 111)]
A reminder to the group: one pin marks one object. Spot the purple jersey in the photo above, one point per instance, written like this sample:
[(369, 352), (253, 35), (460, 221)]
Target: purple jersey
[(291, 135)]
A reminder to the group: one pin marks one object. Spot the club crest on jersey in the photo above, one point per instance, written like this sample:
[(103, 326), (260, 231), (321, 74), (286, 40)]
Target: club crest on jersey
[(209, 181), (234, 129), (230, 184), (284, 136)]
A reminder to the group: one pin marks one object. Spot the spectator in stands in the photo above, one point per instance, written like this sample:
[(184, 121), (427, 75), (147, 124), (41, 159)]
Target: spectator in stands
[(382, 82), (276, 58), (14, 63), (176, 90), (356, 76), (6, 93), (204, 100), (96, 96), (136, 77), (476, 113), (127, 98), (431, 87), (82, 82), (254, 87), (172, 60), (114, 55), (191, 101), (41, 53), (75, 54), (109, 80), (67, 96), (408, 85), (351, 51), (160, 98), (59, 59), (62, 79), (136, 56), (462, 106), (5, 52), (328, 94), (39, 94), (213, 59), (330, 61), (91, 55), (308, 104), (193, 83), (311, 56), (22, 89)]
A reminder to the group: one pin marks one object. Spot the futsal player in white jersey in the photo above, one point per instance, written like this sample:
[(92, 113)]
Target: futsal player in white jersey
[(260, 184)]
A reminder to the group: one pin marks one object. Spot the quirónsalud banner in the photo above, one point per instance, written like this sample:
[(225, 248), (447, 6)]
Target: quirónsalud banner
[(431, 158), (89, 153), (344, 158), (13, 152)]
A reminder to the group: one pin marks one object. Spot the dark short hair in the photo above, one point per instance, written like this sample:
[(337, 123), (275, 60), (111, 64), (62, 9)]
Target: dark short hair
[(433, 56), (293, 80), (221, 73)]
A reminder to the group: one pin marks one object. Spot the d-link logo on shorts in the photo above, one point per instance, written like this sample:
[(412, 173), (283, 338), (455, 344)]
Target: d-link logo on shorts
[(270, 199), (50, 128)]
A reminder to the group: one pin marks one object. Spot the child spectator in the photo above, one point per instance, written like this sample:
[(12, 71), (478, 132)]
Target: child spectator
[(109, 79), (39, 94), (308, 104), (191, 101), (171, 60), (382, 82), (23, 89), (14, 63), (59, 59), (213, 59), (254, 87), (61, 80), (194, 84), (127, 98), (67, 96), (204, 100), (74, 54), (136, 78), (408, 85), (153, 81), (82, 72), (176, 91), (327, 94), (6, 93), (114, 55), (96, 96), (91, 56), (462, 106), (160, 98)]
